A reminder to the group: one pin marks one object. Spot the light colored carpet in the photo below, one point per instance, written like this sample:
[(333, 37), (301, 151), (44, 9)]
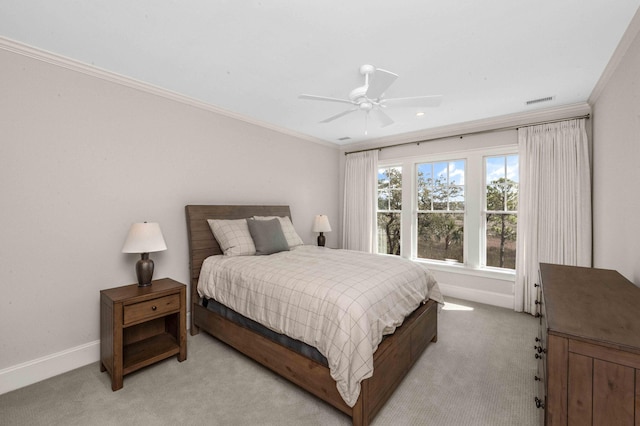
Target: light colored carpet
[(480, 372)]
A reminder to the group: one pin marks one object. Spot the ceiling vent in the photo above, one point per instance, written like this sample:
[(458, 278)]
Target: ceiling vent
[(536, 101), (345, 138)]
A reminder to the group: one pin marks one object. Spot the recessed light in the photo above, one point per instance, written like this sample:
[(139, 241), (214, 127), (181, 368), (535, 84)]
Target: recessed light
[(419, 114)]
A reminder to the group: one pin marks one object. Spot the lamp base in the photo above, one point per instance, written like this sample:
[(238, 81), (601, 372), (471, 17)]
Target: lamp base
[(321, 240), (144, 270)]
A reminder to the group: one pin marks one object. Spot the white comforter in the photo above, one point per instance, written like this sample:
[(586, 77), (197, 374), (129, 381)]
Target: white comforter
[(339, 301)]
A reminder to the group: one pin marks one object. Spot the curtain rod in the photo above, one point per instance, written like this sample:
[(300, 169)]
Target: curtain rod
[(479, 132)]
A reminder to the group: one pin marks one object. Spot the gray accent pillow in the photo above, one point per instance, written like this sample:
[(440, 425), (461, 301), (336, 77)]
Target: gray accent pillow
[(287, 229), (267, 236)]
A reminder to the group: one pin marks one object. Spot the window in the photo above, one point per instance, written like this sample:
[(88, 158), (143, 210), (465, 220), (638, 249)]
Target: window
[(389, 209), (501, 211), (440, 210), (459, 210)]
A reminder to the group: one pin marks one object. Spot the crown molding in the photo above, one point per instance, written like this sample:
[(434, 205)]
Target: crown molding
[(627, 39), (93, 71)]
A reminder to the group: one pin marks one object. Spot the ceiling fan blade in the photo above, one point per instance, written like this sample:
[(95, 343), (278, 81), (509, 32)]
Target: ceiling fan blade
[(380, 82), (383, 117), (342, 114), (324, 98), (415, 101)]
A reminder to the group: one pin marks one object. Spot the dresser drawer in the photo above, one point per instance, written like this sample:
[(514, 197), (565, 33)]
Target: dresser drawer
[(151, 308)]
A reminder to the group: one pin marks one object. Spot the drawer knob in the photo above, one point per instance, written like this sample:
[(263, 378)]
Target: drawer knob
[(539, 403), (538, 356), (537, 379), (153, 308), (536, 285)]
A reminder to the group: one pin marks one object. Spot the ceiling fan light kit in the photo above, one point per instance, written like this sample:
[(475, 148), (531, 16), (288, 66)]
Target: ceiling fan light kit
[(370, 97)]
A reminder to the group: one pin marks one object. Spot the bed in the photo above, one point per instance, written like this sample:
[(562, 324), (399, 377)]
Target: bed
[(392, 359)]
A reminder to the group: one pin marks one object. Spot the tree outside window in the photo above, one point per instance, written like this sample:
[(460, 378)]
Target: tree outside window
[(501, 211), (441, 204), (389, 209)]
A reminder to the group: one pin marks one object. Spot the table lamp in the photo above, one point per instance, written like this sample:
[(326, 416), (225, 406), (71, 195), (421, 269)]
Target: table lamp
[(321, 224), (144, 238)]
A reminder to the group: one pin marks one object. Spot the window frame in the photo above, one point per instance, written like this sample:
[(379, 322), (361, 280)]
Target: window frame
[(417, 211), (485, 211), (473, 244), (402, 200)]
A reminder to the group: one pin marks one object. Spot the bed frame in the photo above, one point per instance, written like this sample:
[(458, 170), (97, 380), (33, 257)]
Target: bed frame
[(392, 360)]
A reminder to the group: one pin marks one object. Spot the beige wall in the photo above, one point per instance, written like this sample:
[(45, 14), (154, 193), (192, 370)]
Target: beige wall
[(616, 168), (82, 157)]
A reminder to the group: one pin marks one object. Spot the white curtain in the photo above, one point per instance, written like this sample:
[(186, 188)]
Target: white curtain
[(554, 211), (360, 195)]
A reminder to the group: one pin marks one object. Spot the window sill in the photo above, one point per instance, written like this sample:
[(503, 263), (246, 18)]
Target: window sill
[(459, 268)]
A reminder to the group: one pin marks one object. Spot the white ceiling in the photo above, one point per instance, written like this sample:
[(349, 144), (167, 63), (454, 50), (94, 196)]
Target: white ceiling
[(253, 58)]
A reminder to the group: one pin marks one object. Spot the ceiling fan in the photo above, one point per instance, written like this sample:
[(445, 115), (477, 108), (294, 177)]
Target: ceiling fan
[(370, 97)]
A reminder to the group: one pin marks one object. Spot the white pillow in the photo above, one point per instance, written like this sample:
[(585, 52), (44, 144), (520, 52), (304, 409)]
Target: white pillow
[(233, 236), (293, 239)]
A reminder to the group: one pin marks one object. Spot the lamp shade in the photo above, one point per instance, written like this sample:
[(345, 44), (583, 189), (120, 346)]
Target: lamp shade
[(144, 238), (321, 224)]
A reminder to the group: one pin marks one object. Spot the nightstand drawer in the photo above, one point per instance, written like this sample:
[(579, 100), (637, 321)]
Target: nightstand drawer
[(151, 308)]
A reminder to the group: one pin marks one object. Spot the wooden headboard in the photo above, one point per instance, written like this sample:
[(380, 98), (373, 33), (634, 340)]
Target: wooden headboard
[(202, 244)]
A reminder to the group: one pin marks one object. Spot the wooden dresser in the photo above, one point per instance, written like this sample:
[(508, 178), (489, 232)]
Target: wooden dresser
[(588, 347)]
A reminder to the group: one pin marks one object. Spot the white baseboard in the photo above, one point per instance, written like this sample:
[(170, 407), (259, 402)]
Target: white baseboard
[(480, 296), (30, 372), (34, 371)]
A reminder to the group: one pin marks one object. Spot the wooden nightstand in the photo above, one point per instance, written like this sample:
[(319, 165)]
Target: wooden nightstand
[(140, 326)]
